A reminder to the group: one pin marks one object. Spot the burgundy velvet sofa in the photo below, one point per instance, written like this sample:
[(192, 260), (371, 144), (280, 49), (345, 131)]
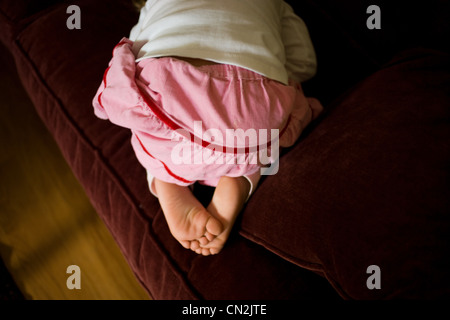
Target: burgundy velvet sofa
[(368, 184)]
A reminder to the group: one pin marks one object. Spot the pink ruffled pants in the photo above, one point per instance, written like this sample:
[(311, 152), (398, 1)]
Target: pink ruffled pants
[(194, 124)]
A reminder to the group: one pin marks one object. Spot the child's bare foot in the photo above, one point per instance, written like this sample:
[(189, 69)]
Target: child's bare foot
[(188, 220), (226, 204)]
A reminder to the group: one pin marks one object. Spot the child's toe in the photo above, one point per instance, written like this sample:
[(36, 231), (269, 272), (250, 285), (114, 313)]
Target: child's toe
[(194, 245), (203, 241), (209, 236), (213, 226)]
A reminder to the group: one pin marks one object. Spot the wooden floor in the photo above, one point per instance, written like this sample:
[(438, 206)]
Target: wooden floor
[(46, 220)]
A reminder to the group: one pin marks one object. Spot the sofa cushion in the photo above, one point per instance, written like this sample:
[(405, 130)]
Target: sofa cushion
[(19, 10), (369, 186), (321, 217), (14, 15), (61, 70)]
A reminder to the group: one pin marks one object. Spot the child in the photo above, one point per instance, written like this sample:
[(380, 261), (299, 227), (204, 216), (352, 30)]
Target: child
[(191, 71)]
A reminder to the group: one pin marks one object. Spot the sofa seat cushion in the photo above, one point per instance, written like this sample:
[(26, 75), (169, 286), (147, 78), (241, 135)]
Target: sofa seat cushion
[(332, 214), (61, 70), (369, 186), (15, 15)]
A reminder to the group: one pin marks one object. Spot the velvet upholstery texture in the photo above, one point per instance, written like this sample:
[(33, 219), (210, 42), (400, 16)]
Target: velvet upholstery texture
[(367, 184), (374, 185)]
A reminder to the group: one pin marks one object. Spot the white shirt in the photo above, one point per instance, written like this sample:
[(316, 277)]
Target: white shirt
[(265, 36)]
